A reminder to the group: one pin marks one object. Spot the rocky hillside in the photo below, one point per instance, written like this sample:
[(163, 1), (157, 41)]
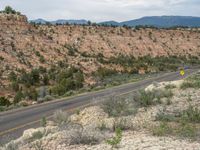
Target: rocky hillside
[(163, 116), (23, 45), (90, 49)]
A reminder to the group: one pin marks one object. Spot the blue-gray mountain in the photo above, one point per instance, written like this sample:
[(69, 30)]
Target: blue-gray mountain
[(157, 21), (60, 21)]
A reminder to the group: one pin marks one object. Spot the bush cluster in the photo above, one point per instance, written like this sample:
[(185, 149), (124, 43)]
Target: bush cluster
[(68, 79)]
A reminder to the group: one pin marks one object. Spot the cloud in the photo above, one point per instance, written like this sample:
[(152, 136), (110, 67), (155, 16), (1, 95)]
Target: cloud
[(101, 10)]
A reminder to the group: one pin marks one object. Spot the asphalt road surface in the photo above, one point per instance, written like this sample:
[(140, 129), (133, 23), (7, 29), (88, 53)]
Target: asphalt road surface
[(13, 123)]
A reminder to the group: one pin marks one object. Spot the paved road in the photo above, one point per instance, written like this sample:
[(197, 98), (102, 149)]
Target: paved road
[(13, 123)]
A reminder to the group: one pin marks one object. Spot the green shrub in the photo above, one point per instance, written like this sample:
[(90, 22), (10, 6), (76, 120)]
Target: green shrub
[(10, 10), (4, 101), (104, 72), (117, 139), (192, 114), (67, 80), (18, 97), (36, 136), (12, 76), (43, 122), (186, 85), (122, 123), (116, 106), (161, 116), (170, 86), (148, 98), (184, 130), (162, 129)]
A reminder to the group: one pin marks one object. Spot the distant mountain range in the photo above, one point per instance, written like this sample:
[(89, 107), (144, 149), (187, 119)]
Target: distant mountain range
[(60, 21), (157, 21)]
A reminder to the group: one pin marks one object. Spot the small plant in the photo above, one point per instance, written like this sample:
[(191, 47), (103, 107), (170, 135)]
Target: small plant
[(43, 122), (121, 123), (170, 86), (148, 98), (37, 145), (161, 116), (192, 114), (61, 117), (36, 136), (77, 111), (102, 126), (162, 129), (116, 106), (117, 139), (11, 146), (186, 85), (83, 136), (4, 101)]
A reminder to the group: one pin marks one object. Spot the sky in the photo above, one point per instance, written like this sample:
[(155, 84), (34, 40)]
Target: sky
[(102, 10)]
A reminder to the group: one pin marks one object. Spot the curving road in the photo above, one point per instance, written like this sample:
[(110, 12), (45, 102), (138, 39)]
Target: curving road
[(13, 123)]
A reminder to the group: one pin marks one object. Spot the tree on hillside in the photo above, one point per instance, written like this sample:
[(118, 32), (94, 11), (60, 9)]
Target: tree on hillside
[(10, 10)]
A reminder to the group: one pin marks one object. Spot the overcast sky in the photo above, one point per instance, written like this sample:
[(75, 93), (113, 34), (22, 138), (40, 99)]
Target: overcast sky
[(102, 10)]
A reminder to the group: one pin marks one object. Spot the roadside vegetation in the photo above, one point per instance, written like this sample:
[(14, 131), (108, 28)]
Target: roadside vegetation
[(185, 124), (119, 112), (191, 82), (39, 84)]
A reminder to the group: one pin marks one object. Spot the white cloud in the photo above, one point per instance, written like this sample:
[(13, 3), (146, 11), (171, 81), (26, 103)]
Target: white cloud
[(101, 10)]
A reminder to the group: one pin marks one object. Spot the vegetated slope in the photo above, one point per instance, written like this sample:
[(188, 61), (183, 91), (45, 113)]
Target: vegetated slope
[(24, 46)]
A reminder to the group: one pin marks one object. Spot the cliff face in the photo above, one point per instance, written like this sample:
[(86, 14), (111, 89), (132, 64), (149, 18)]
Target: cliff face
[(23, 45)]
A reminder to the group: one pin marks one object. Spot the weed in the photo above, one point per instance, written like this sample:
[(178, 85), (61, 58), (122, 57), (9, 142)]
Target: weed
[(116, 106), (43, 122), (170, 86), (61, 117), (117, 139)]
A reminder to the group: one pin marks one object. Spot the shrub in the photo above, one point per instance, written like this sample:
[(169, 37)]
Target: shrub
[(170, 86), (12, 76), (18, 97), (43, 122), (148, 98), (10, 10), (15, 86), (186, 85), (192, 114), (181, 130), (103, 72), (42, 59), (122, 123), (61, 117), (117, 139), (36, 135), (162, 129), (191, 82), (11, 146), (145, 98), (116, 106), (161, 116), (83, 136), (4, 101)]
